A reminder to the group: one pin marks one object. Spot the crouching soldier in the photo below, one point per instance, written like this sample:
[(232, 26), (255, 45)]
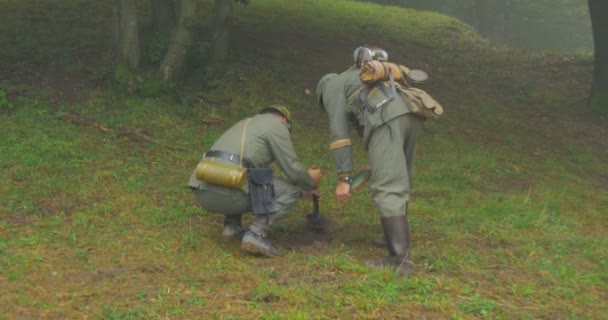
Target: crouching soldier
[(235, 177)]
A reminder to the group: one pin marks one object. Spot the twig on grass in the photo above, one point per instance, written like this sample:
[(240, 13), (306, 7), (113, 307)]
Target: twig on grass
[(145, 137), (78, 119)]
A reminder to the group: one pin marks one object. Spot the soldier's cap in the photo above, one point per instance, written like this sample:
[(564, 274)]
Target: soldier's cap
[(277, 108), (321, 87)]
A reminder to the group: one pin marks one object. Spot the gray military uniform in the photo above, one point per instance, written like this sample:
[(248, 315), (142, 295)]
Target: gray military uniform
[(389, 134), (267, 141)]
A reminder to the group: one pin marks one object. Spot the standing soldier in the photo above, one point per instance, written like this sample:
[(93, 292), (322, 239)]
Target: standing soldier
[(389, 132), (235, 177)]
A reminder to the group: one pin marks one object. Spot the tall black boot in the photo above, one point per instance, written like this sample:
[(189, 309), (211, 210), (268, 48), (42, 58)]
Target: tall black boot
[(380, 242), (397, 234)]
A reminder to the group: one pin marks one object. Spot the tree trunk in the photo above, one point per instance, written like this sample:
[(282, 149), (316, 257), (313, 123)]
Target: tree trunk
[(173, 64), (502, 11), (164, 17), (221, 31), (126, 33), (177, 7), (485, 18), (598, 10)]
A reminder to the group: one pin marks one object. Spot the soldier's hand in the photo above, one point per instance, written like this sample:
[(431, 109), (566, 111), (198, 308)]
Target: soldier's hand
[(343, 191), (316, 175), (308, 195)]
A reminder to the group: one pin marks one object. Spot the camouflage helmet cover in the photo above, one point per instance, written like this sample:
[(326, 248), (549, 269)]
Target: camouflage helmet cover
[(283, 110)]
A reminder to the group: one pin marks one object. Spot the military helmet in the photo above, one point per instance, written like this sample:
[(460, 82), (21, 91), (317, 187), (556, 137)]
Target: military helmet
[(321, 86), (277, 108), (365, 53)]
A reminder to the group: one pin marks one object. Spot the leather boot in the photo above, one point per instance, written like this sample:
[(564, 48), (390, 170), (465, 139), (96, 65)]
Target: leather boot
[(380, 242), (232, 227), (397, 234), (255, 240)]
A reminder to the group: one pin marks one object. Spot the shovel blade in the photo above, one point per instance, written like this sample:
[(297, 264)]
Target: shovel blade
[(315, 223), (360, 178), (314, 220)]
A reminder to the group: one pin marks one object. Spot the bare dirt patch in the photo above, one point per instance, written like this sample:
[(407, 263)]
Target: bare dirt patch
[(301, 238), (17, 219)]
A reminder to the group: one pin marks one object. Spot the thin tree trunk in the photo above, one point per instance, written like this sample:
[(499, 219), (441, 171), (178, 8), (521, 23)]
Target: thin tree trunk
[(173, 64), (177, 7), (164, 17), (128, 48), (485, 17), (221, 31), (115, 27), (598, 10), (502, 11)]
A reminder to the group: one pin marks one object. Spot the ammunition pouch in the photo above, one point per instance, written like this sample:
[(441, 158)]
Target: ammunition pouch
[(417, 100), (261, 191), (387, 88)]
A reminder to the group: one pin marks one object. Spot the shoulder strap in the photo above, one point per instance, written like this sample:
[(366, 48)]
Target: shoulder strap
[(243, 140), (353, 96), (364, 91)]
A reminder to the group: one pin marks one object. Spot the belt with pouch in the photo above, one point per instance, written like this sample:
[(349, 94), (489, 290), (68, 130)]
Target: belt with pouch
[(235, 158)]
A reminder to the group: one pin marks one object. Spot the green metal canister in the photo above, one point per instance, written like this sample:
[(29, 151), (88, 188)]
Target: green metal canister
[(221, 174)]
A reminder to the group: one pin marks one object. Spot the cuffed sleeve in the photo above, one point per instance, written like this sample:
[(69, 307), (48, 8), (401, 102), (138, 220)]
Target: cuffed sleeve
[(285, 156), (334, 101)]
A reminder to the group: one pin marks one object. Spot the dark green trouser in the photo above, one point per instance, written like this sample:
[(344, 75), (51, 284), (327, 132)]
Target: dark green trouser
[(391, 154)]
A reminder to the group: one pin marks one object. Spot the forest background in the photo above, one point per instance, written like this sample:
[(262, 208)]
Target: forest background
[(511, 187)]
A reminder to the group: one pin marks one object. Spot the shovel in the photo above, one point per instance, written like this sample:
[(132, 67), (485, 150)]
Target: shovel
[(314, 220), (360, 178)]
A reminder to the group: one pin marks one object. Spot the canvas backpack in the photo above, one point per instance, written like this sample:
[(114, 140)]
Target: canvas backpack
[(393, 79)]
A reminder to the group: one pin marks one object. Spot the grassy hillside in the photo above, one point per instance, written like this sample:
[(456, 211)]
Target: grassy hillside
[(508, 213)]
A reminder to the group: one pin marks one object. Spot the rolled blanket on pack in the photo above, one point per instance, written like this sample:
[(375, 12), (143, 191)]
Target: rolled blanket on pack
[(374, 70)]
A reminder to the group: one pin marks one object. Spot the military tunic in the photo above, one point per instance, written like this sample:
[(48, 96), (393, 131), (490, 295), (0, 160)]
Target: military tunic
[(389, 135), (267, 140)]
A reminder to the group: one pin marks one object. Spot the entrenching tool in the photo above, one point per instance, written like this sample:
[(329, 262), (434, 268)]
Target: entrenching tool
[(360, 178), (314, 220)]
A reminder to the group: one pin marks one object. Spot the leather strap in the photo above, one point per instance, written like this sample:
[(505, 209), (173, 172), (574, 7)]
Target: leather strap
[(340, 143), (243, 140), (238, 159), (228, 156)]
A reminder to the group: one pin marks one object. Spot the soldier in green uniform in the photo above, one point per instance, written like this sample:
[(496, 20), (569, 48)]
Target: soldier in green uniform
[(262, 140), (389, 133)]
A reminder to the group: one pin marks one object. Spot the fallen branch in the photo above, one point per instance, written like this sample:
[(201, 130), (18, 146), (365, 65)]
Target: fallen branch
[(145, 137), (78, 119)]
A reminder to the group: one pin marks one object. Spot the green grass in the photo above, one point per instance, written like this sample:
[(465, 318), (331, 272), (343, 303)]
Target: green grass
[(98, 223)]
